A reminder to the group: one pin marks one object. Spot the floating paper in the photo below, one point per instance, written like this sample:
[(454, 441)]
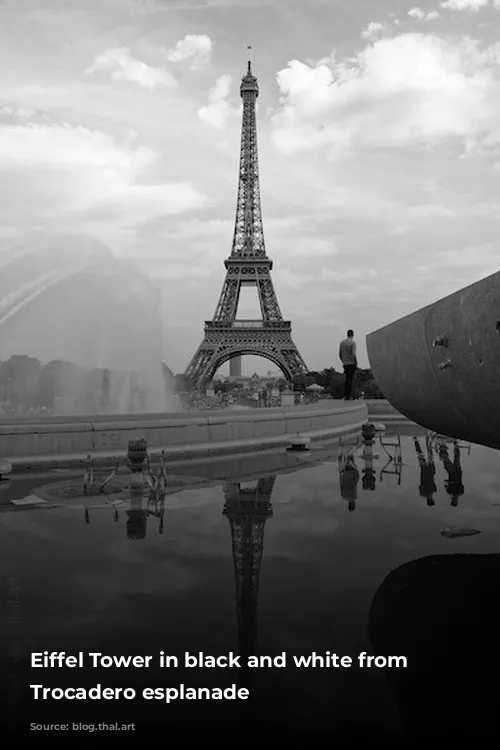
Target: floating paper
[(30, 500), (456, 531)]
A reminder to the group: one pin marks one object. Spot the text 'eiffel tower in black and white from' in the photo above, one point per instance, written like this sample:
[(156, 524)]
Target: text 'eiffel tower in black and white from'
[(248, 265)]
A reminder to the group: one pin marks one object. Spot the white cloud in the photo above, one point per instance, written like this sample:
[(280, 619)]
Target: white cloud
[(124, 67), (194, 47), (64, 145), (296, 247), (480, 260), (399, 230), (64, 174), (219, 109), (373, 30), (196, 228), (20, 112), (409, 90), (284, 277), (482, 255), (356, 274), (465, 4), (421, 15)]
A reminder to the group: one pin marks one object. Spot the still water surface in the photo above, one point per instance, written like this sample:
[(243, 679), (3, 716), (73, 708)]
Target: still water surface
[(191, 576)]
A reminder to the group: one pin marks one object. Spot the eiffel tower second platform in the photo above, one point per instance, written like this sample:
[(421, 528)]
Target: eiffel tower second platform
[(248, 265)]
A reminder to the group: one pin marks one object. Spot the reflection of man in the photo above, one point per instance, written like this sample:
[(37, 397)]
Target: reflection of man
[(349, 478), (453, 484), (427, 472)]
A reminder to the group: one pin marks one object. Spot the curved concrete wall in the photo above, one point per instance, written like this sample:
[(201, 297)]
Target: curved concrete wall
[(452, 388), (69, 440)]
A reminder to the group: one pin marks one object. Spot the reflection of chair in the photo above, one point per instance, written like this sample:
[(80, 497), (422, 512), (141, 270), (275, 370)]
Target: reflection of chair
[(137, 513), (108, 504), (439, 440), (156, 481), (463, 445), (348, 471), (391, 444), (347, 449)]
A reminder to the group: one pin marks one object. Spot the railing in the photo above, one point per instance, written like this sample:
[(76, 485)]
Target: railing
[(248, 324), (283, 325)]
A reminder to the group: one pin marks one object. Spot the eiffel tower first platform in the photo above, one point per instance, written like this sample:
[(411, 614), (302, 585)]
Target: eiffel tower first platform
[(248, 265)]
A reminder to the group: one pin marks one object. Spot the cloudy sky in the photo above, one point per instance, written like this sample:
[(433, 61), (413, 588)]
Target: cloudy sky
[(379, 134)]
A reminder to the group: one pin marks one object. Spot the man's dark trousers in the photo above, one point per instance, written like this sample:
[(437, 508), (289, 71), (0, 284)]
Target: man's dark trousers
[(350, 371)]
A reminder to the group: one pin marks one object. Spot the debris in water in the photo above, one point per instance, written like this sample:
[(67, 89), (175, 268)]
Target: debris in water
[(452, 532), (5, 467), (30, 500)]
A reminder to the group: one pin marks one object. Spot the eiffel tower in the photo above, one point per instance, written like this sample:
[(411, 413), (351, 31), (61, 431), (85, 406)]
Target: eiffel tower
[(248, 265), (247, 510)]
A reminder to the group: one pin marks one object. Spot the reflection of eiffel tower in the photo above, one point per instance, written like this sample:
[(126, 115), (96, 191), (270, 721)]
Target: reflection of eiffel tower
[(248, 510)]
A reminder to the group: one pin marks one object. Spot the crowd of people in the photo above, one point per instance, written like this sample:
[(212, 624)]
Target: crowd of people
[(200, 400)]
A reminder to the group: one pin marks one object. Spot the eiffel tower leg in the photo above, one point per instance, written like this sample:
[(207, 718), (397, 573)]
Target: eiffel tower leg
[(199, 364)]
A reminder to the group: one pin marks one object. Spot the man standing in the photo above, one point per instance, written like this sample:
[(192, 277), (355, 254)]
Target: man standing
[(347, 354)]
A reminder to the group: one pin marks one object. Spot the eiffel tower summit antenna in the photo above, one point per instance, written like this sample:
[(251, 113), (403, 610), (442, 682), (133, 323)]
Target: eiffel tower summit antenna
[(226, 336)]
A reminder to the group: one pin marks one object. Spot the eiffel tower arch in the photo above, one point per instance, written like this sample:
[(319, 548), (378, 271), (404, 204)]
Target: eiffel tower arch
[(225, 336)]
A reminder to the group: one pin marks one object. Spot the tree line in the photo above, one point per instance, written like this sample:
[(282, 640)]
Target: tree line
[(333, 383), (26, 382)]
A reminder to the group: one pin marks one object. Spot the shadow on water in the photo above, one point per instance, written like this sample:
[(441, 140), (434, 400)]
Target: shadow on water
[(144, 568), (441, 612)]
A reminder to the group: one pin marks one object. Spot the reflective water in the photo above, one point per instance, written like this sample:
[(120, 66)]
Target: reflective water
[(278, 552)]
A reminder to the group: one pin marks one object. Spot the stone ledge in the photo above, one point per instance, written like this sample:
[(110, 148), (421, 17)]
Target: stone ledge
[(178, 453), (122, 422), (31, 441)]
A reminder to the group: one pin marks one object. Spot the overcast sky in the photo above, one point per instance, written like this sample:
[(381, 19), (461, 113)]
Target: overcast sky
[(379, 136)]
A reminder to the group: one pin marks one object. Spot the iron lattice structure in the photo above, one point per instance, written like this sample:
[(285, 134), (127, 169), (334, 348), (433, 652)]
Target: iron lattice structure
[(248, 265), (247, 511)]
